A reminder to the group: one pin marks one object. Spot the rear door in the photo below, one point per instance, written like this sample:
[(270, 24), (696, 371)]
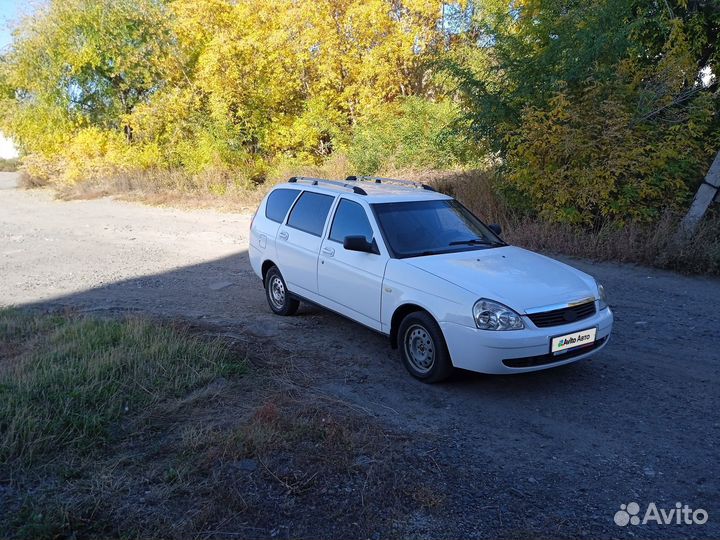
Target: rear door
[(299, 240), (352, 280)]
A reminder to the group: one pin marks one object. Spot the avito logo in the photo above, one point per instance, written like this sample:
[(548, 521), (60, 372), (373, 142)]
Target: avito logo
[(680, 515)]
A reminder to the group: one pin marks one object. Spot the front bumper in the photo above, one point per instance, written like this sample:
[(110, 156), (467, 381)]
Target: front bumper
[(519, 351)]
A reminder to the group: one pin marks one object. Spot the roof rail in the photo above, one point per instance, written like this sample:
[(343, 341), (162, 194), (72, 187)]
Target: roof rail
[(316, 181), (380, 180)]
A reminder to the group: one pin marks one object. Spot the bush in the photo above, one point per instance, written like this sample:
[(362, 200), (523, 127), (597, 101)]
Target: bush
[(416, 133), (585, 160)]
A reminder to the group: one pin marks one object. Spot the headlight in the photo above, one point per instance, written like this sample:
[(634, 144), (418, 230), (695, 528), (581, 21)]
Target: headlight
[(491, 315), (602, 297)]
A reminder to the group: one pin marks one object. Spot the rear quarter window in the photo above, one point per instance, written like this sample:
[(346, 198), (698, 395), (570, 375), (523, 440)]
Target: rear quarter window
[(310, 212), (278, 204)]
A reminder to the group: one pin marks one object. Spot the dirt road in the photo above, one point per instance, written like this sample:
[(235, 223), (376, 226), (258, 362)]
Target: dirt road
[(553, 453)]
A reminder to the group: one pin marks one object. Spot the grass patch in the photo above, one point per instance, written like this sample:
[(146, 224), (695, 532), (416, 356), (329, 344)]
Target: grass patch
[(66, 380), (129, 428)]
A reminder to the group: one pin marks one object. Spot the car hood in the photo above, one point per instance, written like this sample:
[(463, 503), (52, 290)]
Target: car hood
[(514, 276)]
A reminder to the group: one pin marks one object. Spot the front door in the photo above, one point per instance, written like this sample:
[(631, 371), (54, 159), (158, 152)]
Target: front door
[(352, 280)]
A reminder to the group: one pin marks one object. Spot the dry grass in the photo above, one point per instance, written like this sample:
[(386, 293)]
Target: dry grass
[(28, 181), (648, 244), (9, 165), (217, 189)]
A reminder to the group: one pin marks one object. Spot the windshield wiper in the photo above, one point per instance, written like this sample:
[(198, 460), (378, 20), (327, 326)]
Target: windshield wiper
[(475, 242)]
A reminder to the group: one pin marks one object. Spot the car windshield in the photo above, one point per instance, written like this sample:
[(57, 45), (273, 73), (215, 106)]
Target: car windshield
[(417, 228)]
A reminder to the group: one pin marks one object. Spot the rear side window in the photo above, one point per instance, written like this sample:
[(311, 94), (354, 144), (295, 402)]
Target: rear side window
[(350, 220), (310, 212), (278, 204)]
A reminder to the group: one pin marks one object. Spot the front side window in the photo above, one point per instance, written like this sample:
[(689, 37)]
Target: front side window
[(417, 228), (350, 220), (310, 212), (279, 202)]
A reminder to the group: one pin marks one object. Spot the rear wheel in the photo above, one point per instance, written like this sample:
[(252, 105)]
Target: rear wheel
[(422, 348), (277, 294)]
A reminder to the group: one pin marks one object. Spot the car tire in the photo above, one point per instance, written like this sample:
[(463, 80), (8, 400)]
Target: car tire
[(278, 297), (423, 349)]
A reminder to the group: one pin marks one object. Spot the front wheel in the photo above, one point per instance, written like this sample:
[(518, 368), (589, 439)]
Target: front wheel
[(277, 294), (422, 348)]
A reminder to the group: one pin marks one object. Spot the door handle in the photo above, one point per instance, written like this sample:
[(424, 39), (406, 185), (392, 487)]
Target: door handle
[(328, 251), (283, 235)]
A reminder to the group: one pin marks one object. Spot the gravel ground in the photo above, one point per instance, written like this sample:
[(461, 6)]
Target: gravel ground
[(551, 454)]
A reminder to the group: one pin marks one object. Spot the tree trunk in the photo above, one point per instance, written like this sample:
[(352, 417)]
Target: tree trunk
[(706, 193)]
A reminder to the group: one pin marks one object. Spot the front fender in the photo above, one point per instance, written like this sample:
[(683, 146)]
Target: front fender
[(445, 301)]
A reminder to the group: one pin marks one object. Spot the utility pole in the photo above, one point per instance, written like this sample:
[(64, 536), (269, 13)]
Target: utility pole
[(706, 194)]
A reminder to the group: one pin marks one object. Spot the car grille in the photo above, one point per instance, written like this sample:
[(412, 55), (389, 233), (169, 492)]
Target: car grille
[(566, 315), (544, 359)]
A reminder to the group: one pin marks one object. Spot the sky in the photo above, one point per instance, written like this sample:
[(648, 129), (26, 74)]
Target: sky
[(7, 148), (10, 12)]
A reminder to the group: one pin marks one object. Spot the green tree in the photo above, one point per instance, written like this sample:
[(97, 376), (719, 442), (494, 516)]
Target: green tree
[(597, 108), (83, 63)]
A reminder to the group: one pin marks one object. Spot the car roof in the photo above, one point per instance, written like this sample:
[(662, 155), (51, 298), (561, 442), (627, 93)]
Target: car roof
[(370, 192)]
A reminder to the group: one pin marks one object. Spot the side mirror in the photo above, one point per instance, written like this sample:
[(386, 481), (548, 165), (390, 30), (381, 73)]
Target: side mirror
[(497, 229), (359, 243)]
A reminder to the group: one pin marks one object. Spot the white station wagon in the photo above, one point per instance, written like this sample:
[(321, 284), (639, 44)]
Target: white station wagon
[(420, 268)]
